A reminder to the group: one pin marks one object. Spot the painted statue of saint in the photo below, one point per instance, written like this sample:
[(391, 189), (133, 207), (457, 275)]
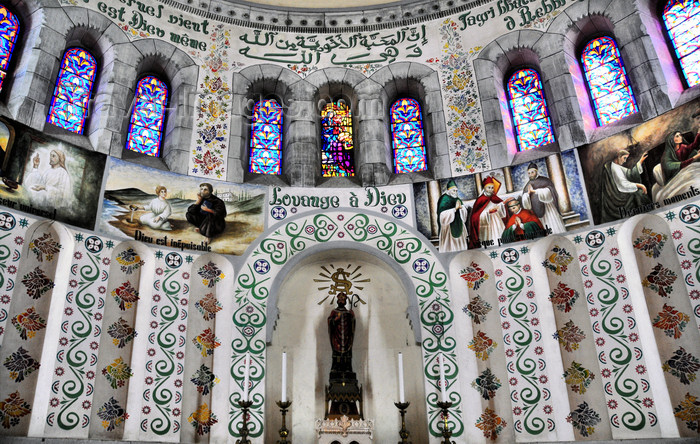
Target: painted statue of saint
[(341, 328)]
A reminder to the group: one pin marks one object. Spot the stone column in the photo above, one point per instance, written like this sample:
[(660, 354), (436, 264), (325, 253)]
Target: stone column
[(508, 178), (479, 187), (555, 169), (433, 198)]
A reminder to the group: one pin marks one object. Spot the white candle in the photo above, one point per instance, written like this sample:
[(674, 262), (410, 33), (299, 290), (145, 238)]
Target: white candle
[(443, 381), (401, 394), (284, 376), (246, 376)]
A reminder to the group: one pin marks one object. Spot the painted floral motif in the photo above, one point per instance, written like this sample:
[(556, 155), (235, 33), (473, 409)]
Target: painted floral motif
[(208, 156), (111, 414), (210, 274), (474, 275), (204, 379), (37, 283), (650, 242), (208, 306), (584, 419), (671, 321), (578, 377), (660, 280), (477, 309), (482, 345), (206, 342), (129, 260), (487, 383), (45, 247), (20, 364), (125, 295), (563, 297), (117, 373), (202, 419), (682, 365), (121, 332), (491, 424), (558, 261), (569, 336), (689, 411), (28, 323), (12, 409)]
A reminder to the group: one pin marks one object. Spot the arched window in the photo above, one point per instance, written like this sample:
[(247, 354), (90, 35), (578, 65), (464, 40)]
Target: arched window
[(682, 20), (266, 138), (607, 81), (407, 136), (9, 28), (533, 127), (73, 88), (146, 126), (337, 154)]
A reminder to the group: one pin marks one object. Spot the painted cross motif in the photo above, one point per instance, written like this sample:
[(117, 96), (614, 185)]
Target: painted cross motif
[(173, 260)]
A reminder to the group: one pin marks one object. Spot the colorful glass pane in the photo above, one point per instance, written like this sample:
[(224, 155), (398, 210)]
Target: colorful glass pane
[(266, 138), (407, 136), (682, 20), (72, 93), (336, 131), (528, 108), (607, 81), (146, 125), (9, 29)]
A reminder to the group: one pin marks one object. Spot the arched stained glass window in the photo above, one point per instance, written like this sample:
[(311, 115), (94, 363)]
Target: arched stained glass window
[(146, 126), (682, 20), (407, 136), (72, 93), (533, 127), (607, 81), (336, 130), (266, 138), (9, 28)]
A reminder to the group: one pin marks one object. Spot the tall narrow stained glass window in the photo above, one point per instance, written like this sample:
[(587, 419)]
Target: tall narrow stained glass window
[(266, 138), (607, 81), (407, 136), (336, 130), (72, 93), (147, 118), (9, 29), (533, 127), (682, 20)]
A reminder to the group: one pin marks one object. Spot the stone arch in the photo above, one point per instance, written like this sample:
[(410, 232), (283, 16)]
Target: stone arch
[(415, 256)]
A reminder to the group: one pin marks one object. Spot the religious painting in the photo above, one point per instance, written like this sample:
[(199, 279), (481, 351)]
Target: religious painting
[(182, 212), (641, 169), (49, 178), (510, 204)]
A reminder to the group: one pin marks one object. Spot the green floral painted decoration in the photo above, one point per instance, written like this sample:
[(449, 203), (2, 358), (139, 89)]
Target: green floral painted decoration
[(487, 384), (45, 247), (202, 419), (204, 379), (12, 409), (584, 419), (558, 261), (20, 364), (578, 377), (650, 242), (689, 411), (117, 373), (37, 283), (660, 280), (491, 424), (682, 365), (477, 309), (111, 414), (569, 336), (474, 275), (563, 297), (671, 321), (482, 345)]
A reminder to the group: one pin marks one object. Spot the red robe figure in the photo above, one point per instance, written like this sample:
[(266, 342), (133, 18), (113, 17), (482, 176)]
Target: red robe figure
[(522, 224), (488, 196)]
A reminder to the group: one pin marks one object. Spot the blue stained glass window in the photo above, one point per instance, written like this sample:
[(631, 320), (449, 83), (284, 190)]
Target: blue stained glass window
[(72, 92), (682, 20), (336, 130), (607, 81), (146, 125), (9, 29), (407, 136), (528, 108), (266, 138)]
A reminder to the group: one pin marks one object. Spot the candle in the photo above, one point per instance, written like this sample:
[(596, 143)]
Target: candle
[(443, 381), (401, 394), (284, 376), (246, 376)]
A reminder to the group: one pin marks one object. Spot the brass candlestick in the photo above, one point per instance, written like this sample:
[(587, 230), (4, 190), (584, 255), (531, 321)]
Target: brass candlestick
[(403, 433), (243, 430), (284, 433), (446, 433)]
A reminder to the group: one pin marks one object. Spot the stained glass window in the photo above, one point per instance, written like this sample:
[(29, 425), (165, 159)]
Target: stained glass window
[(682, 20), (337, 154), (266, 138), (146, 126), (72, 93), (407, 136), (9, 28), (607, 81), (533, 127)]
